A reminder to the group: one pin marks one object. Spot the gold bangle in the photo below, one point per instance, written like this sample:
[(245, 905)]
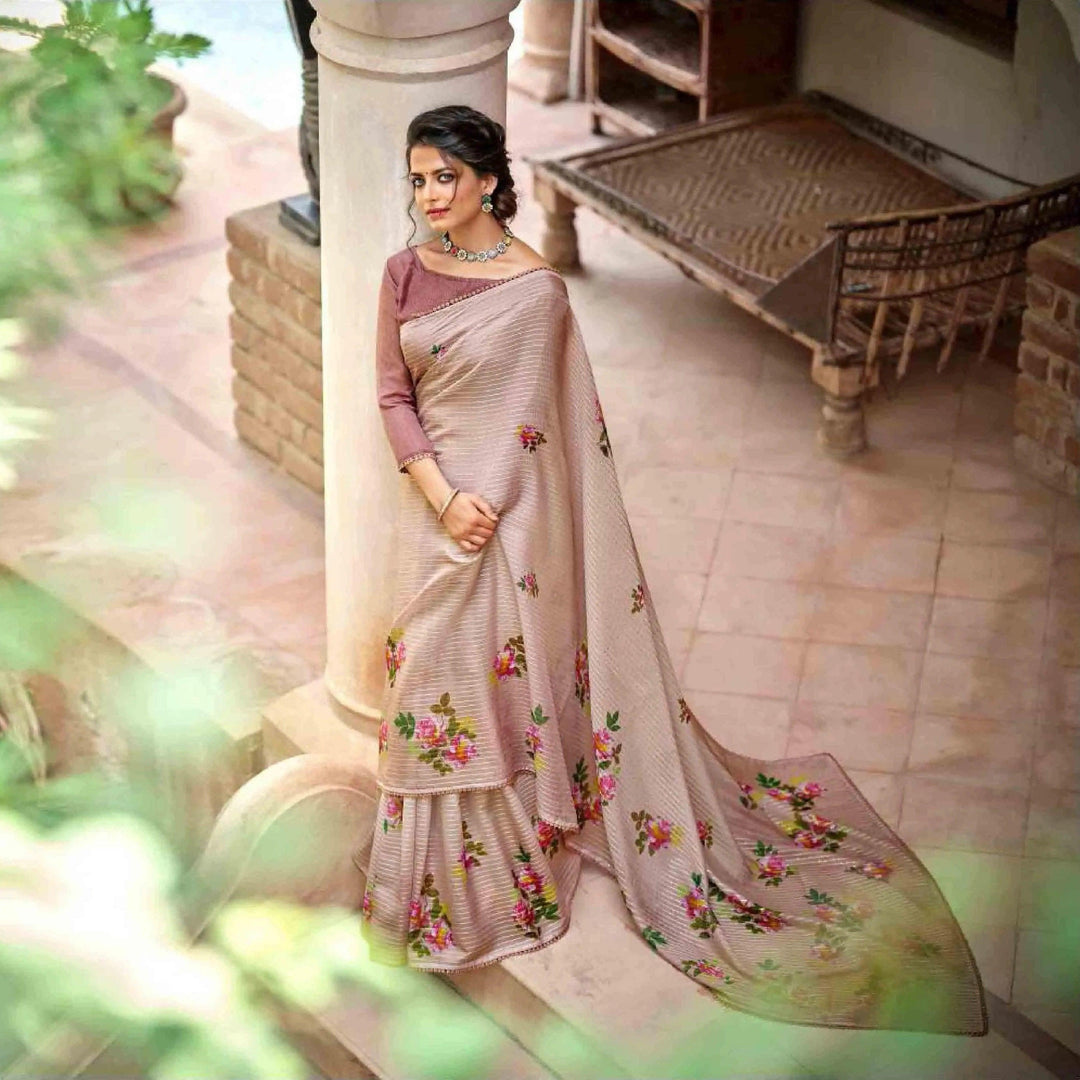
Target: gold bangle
[(446, 503)]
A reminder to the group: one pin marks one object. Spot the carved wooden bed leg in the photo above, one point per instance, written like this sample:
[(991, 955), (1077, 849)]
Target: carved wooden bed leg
[(842, 429), (558, 241)]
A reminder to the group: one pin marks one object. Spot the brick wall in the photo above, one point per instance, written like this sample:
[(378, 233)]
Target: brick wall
[(1047, 417), (275, 328)]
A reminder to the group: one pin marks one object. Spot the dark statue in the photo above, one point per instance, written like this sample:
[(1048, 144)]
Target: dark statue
[(300, 213)]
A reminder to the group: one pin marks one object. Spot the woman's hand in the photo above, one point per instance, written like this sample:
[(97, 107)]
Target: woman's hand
[(470, 520)]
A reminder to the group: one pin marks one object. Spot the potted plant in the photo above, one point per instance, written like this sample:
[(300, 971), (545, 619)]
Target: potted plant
[(93, 89)]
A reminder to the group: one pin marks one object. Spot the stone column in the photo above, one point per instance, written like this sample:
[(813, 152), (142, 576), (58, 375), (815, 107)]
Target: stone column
[(380, 63), (544, 71)]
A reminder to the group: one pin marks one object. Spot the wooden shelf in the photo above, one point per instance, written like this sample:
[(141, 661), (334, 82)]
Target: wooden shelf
[(716, 56), (673, 58)]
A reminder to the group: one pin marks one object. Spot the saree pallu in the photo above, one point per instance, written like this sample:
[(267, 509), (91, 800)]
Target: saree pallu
[(532, 717)]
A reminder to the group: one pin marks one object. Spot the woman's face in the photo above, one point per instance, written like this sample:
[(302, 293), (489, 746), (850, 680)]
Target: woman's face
[(446, 190)]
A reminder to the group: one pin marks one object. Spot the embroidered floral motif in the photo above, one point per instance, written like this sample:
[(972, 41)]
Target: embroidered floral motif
[(917, 945), (509, 662), (781, 986), (771, 868), (654, 834), (391, 813), (704, 833), (395, 653), (534, 738), (748, 798), (653, 938), (530, 437), (581, 673), (438, 351), (756, 919), (875, 869), (835, 919), (586, 796), (607, 752), (812, 831), (637, 599), (706, 969), (367, 904), (429, 921), (696, 904), (527, 584), (800, 795), (384, 736), (470, 853), (537, 902), (685, 713), (604, 441), (549, 837), (443, 740)]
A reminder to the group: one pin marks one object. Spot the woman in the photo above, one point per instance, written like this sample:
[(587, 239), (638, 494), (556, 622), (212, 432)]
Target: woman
[(532, 716)]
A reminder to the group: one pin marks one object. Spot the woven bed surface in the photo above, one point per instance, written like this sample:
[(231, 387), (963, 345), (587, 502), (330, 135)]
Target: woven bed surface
[(759, 196)]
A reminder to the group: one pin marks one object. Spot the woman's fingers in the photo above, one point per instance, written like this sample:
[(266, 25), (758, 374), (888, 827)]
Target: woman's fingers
[(485, 507)]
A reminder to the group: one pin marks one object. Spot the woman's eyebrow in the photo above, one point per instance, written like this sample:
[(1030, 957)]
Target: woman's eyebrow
[(431, 172)]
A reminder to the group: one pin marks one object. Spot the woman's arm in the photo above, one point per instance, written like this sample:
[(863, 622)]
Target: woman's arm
[(468, 518)]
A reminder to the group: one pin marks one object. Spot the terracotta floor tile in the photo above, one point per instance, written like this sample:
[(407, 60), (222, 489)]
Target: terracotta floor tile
[(781, 609), (941, 813), (790, 501), (1059, 699), (1047, 971), (982, 517), (990, 465), (871, 617), (675, 544), (867, 676), (980, 686), (1065, 578), (991, 753), (660, 492), (755, 726), (1053, 828), (1048, 893), (895, 563), (985, 412), (1057, 757), (676, 598), (910, 419), (875, 738), (797, 401), (737, 664), (1006, 629), (769, 552), (788, 451), (986, 572), (896, 507), (994, 949), (982, 890), (1063, 631), (883, 791), (1067, 526), (924, 462)]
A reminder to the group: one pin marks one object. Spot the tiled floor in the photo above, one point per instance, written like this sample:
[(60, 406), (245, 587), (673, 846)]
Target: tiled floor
[(915, 611)]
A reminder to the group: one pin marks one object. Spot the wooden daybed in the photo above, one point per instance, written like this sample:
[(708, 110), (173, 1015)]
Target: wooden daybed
[(818, 228)]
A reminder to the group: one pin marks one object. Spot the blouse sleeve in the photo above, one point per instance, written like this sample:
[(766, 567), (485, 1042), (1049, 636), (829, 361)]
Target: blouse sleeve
[(396, 393)]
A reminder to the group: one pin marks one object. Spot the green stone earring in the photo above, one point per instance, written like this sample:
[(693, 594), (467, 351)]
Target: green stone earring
[(486, 204)]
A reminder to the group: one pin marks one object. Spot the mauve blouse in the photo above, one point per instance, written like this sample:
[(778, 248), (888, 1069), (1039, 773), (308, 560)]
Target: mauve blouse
[(408, 289)]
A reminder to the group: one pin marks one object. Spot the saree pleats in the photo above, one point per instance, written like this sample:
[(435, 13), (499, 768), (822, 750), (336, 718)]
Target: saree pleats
[(532, 715)]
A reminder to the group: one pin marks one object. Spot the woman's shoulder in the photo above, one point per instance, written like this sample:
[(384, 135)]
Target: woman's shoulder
[(398, 263)]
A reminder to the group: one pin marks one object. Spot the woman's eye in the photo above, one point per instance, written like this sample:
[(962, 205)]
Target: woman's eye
[(446, 178)]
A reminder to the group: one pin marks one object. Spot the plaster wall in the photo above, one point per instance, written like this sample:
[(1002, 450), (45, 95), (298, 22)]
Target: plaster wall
[(1019, 115)]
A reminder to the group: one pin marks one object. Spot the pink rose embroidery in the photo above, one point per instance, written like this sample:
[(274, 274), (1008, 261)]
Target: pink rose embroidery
[(530, 437)]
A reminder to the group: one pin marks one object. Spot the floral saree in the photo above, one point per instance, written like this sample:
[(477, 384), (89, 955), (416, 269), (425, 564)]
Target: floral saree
[(532, 717)]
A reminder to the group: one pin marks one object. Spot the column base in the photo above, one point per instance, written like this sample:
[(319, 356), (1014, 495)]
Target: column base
[(842, 429), (540, 81)]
